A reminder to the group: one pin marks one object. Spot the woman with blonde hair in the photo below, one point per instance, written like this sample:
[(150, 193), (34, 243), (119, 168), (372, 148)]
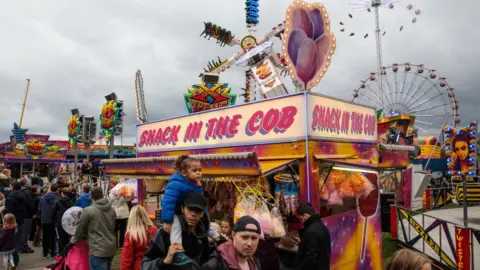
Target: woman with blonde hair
[(406, 259), (140, 232)]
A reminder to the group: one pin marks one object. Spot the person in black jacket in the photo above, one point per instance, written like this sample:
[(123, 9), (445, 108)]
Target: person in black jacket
[(194, 251), (315, 245), (36, 230), (26, 189), (59, 208), (267, 254), (45, 209), (16, 204)]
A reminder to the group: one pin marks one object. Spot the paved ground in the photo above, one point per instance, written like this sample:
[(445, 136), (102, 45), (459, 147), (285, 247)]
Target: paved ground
[(35, 261)]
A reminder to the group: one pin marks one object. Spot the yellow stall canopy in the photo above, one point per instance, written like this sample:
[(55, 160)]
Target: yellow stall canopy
[(272, 166)]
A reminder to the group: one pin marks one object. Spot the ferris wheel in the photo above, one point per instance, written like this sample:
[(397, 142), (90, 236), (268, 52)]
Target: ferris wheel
[(413, 90)]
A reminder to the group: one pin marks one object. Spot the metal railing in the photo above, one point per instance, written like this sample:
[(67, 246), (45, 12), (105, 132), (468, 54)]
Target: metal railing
[(431, 235), (102, 180)]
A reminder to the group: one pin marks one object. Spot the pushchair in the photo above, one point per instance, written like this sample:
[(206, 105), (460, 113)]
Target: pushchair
[(72, 257)]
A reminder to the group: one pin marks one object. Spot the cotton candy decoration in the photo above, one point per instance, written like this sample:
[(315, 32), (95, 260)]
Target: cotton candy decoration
[(278, 227)]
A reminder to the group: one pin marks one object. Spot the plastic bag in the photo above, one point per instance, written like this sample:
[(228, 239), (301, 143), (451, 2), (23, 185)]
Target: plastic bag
[(244, 207), (264, 218), (335, 199), (262, 235), (125, 189), (278, 227)]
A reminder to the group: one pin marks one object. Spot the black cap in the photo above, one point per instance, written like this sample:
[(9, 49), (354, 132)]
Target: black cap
[(242, 225), (195, 200)]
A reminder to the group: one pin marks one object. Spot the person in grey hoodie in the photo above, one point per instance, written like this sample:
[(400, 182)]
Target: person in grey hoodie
[(49, 239), (97, 225)]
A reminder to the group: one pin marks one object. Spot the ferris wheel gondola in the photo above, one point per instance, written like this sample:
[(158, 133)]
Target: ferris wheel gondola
[(410, 89)]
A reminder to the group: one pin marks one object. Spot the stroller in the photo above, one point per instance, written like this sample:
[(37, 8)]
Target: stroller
[(60, 260), (72, 257)]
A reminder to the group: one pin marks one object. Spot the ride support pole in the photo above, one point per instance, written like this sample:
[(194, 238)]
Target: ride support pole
[(112, 139), (465, 207), (75, 161), (428, 198), (393, 222)]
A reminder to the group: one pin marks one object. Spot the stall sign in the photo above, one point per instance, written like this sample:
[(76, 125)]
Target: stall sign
[(263, 122), (330, 118), (268, 78), (462, 243)]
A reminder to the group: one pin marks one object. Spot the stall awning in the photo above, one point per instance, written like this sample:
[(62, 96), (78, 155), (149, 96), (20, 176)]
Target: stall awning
[(271, 166), (346, 160), (143, 177), (243, 163), (241, 155)]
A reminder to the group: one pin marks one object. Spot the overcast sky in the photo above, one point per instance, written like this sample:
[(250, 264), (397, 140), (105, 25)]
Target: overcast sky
[(76, 52)]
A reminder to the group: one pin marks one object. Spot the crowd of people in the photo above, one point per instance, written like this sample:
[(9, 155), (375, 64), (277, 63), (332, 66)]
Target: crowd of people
[(186, 239)]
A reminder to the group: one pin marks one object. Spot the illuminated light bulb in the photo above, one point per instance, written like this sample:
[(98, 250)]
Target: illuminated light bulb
[(450, 172)]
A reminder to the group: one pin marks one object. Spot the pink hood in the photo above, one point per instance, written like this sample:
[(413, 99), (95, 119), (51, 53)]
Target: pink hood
[(227, 251)]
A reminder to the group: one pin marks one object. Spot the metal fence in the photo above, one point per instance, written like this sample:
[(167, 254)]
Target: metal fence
[(436, 238)]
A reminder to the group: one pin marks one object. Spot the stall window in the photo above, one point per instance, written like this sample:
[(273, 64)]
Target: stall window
[(343, 190)]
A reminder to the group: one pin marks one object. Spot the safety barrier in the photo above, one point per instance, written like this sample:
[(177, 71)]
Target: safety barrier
[(449, 245)]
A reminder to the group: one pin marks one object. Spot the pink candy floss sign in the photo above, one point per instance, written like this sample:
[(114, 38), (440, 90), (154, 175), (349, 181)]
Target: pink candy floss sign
[(308, 44)]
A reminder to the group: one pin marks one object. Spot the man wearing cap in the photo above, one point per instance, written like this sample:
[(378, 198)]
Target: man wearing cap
[(194, 251), (315, 245), (237, 254)]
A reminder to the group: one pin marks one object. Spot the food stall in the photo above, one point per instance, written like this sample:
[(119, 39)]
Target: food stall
[(324, 140)]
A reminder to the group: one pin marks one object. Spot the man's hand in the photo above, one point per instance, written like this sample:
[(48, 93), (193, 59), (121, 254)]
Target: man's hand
[(295, 239), (172, 250), (167, 227)]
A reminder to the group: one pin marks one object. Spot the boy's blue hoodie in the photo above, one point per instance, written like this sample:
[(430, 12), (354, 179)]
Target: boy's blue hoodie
[(84, 201), (177, 189)]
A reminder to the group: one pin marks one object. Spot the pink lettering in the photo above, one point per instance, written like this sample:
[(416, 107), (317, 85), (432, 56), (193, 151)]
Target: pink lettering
[(193, 131), (270, 121), (143, 138), (251, 127), (222, 125), (168, 135), (233, 127), (287, 119), (210, 128)]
